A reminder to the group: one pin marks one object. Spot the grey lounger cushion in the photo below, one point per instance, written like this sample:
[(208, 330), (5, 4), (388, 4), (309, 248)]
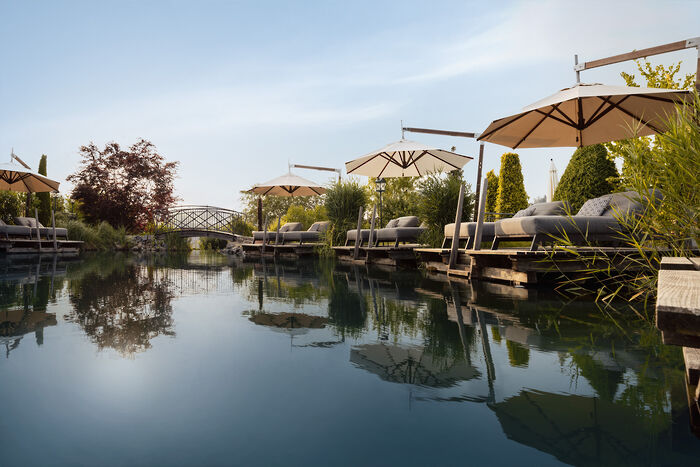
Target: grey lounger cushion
[(556, 225), (468, 230), (14, 230), (44, 232), (271, 234), (48, 232), (313, 234), (399, 234), (351, 235)]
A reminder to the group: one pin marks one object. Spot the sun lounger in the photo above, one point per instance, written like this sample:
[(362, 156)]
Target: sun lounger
[(467, 230), (401, 230), (44, 232), (312, 235), (597, 221), (14, 231), (258, 236)]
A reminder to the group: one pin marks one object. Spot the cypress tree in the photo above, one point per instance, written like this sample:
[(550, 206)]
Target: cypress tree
[(491, 191), (511, 195), (44, 198), (589, 174)]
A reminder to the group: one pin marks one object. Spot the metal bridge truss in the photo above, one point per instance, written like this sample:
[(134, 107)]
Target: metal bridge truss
[(200, 221)]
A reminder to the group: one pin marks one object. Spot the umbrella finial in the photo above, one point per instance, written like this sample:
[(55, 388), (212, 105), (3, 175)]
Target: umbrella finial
[(402, 130)]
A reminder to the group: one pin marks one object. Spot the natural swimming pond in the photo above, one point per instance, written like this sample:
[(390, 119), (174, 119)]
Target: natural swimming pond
[(206, 360)]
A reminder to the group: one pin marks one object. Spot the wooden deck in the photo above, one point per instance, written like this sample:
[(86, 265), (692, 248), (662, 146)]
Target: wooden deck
[(517, 266), (678, 318), (290, 250), (21, 246)]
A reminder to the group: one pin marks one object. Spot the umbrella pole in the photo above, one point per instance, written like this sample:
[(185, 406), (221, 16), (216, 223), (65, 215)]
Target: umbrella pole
[(277, 235), (478, 178), (458, 224), (358, 238), (371, 226), (36, 223), (480, 219)]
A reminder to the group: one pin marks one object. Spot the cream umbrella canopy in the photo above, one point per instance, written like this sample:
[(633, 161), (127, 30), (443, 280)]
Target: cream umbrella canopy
[(288, 185), (20, 178), (586, 114), (406, 158)]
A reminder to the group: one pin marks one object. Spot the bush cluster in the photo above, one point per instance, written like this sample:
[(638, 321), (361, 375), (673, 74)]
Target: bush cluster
[(589, 174), (437, 204), (343, 201)]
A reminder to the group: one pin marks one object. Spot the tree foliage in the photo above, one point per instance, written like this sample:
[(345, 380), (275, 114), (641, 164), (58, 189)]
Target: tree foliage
[(658, 76), (125, 187), (589, 174), (511, 196), (343, 201), (398, 199), (306, 216), (44, 199), (437, 203), (275, 206), (11, 206), (491, 191)]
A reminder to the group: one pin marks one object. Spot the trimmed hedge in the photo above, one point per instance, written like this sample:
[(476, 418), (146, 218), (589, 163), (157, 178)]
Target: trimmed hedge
[(511, 195), (589, 174)]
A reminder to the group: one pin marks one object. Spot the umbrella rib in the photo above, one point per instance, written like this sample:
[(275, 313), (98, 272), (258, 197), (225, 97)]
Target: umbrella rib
[(385, 166), (602, 104), (564, 122), (556, 106), (657, 98), (443, 160), (606, 100), (534, 127), (630, 114), (489, 133)]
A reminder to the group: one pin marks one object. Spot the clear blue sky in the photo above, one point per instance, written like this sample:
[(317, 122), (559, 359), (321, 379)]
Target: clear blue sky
[(235, 90)]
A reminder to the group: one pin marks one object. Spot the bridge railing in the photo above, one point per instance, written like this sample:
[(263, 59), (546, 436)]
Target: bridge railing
[(200, 218)]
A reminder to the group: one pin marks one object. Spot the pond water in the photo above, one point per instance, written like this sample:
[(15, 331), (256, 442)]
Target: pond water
[(205, 360)]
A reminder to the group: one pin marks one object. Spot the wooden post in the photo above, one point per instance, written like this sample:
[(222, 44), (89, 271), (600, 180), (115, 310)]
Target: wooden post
[(358, 239), (371, 225), (260, 216), (53, 226), (264, 236), (480, 219), (458, 224), (478, 178), (277, 235), (36, 222)]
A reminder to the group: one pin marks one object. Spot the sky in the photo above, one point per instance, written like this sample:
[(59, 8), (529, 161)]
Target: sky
[(235, 91)]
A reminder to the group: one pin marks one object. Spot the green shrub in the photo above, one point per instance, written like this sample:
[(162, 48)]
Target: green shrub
[(491, 191), (103, 237), (399, 198), (241, 227), (589, 174), (11, 206), (208, 243), (343, 201), (511, 195), (44, 199), (306, 216), (175, 242), (437, 203)]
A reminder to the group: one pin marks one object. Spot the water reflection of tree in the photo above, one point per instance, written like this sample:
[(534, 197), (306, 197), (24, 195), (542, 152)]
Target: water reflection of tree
[(122, 307)]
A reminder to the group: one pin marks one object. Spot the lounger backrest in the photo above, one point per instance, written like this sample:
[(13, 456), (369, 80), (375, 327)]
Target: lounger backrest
[(630, 203), (291, 227), (392, 224), (554, 208), (28, 222), (321, 226), (2, 223), (407, 221)]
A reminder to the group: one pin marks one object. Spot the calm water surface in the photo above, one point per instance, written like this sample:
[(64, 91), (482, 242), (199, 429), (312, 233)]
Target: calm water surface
[(202, 360)]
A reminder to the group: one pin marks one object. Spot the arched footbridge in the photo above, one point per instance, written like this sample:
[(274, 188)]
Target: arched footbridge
[(202, 221)]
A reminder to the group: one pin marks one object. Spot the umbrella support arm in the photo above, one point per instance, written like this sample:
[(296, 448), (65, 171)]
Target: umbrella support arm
[(643, 53)]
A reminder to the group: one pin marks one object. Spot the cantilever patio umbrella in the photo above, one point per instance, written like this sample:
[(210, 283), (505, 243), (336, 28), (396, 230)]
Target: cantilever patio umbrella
[(586, 114), (406, 159), (20, 178), (288, 185)]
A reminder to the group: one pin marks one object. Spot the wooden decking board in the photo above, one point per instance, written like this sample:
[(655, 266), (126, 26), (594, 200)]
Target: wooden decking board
[(680, 264), (678, 302)]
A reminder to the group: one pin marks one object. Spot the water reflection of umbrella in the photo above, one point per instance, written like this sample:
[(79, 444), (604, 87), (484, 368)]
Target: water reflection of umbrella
[(289, 320), (411, 365), (579, 430)]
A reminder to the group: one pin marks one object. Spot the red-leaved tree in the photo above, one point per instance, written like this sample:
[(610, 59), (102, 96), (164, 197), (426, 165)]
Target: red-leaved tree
[(123, 187)]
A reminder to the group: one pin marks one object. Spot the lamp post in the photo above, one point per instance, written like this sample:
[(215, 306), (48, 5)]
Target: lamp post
[(381, 186)]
